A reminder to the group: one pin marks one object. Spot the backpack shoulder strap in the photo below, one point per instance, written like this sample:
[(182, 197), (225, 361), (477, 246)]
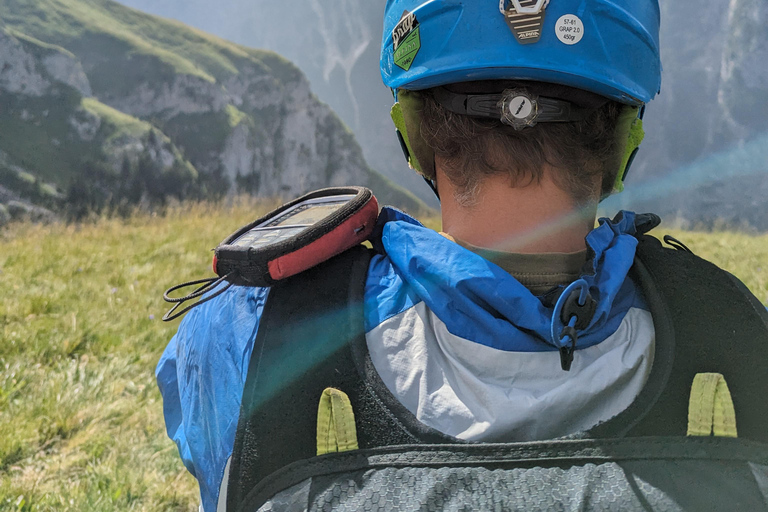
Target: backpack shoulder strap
[(311, 337), (706, 321), (299, 350)]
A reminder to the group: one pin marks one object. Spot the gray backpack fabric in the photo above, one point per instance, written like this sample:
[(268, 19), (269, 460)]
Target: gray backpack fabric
[(659, 474)]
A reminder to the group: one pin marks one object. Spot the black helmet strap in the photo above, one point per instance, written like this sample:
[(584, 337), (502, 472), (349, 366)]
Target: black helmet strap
[(515, 107)]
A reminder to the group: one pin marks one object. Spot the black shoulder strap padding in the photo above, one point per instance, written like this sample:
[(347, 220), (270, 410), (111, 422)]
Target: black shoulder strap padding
[(311, 337), (706, 321), (299, 350)]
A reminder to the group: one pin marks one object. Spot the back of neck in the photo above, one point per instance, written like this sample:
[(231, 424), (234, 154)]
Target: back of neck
[(536, 218)]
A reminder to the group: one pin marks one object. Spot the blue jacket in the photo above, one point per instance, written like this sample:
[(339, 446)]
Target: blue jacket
[(468, 302)]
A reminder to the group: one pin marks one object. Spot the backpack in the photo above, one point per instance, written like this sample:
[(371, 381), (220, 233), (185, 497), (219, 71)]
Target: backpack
[(360, 449)]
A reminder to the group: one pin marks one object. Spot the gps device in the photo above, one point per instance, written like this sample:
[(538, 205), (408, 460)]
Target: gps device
[(287, 241)]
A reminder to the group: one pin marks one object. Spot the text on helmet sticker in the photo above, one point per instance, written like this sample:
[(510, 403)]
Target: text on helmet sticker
[(406, 40), (569, 29)]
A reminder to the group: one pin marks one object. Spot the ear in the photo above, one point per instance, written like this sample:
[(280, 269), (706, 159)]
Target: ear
[(629, 130), (406, 116)]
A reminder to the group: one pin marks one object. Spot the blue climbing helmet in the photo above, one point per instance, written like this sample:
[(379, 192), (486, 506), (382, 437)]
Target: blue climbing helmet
[(609, 47), (606, 47)]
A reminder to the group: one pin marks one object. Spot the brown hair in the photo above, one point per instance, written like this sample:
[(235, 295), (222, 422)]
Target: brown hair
[(582, 153)]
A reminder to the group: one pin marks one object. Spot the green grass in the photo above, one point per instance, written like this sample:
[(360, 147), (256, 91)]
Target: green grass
[(37, 47), (80, 335)]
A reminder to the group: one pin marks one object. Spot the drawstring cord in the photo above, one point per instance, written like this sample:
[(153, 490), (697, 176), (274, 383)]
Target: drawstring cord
[(565, 337)]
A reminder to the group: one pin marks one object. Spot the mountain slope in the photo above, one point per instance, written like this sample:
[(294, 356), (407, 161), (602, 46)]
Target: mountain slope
[(56, 140), (334, 42), (212, 115), (714, 94)]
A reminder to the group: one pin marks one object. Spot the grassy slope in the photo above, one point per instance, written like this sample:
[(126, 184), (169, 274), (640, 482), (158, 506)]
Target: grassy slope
[(80, 334), (76, 24), (49, 146)]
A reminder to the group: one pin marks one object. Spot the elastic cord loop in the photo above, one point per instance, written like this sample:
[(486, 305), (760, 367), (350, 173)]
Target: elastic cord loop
[(677, 244), (209, 284)]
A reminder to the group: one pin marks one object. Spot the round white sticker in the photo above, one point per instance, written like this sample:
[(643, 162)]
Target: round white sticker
[(520, 107), (569, 29)]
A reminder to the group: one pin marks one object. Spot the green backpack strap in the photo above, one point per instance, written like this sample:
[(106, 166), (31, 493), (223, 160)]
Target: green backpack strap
[(705, 321)]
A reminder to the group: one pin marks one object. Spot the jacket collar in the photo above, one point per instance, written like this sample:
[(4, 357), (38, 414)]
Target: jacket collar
[(479, 301)]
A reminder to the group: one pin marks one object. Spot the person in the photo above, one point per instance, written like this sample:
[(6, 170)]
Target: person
[(522, 115)]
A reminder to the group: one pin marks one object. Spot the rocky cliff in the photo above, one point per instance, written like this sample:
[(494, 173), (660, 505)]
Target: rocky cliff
[(55, 138), (713, 108), (109, 106), (335, 42)]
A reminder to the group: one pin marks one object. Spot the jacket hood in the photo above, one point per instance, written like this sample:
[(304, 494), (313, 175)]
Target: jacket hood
[(480, 301)]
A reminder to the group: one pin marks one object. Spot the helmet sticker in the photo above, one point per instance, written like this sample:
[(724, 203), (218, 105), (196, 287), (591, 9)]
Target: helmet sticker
[(525, 18), (406, 40), (569, 29)]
